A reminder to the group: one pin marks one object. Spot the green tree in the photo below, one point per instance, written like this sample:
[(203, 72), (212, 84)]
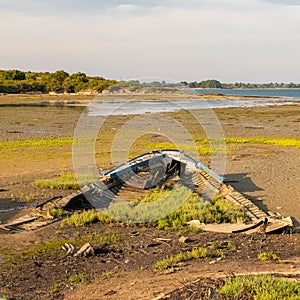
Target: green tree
[(55, 81), (13, 75), (75, 83), (210, 84)]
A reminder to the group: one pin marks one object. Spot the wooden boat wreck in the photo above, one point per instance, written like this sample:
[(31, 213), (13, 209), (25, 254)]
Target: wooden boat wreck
[(132, 178)]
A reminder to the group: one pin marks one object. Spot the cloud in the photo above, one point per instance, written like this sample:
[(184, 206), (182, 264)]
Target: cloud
[(58, 7), (127, 7), (130, 7), (283, 2), (231, 40), (138, 7)]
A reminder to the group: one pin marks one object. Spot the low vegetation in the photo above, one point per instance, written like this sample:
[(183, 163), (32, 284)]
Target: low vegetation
[(202, 150), (196, 253), (78, 278), (87, 217), (57, 212), (45, 247), (224, 245), (35, 143), (65, 182), (260, 288), (268, 141), (219, 210), (54, 288), (174, 208), (170, 209), (107, 274), (270, 256), (256, 140), (107, 238)]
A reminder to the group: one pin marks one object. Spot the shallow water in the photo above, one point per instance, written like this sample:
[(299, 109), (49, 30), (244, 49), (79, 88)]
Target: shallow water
[(12, 209), (287, 93), (8, 213), (135, 108)]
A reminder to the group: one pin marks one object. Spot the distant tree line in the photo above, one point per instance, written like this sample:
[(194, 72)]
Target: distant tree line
[(215, 84), (16, 81)]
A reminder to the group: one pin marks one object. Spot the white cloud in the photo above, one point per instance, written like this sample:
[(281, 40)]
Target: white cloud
[(127, 7)]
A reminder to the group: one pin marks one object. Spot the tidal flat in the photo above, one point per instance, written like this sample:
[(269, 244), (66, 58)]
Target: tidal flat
[(262, 162)]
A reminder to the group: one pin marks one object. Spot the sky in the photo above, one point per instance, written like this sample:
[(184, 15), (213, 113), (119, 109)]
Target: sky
[(189, 40)]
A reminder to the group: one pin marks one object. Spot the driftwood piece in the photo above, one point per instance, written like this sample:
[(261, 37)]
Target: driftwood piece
[(86, 250), (69, 248)]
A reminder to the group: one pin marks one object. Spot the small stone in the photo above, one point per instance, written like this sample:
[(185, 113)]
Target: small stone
[(126, 261), (183, 239), (195, 223), (211, 294)]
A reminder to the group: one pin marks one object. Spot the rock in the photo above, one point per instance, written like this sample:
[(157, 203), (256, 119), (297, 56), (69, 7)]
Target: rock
[(195, 223), (211, 294)]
